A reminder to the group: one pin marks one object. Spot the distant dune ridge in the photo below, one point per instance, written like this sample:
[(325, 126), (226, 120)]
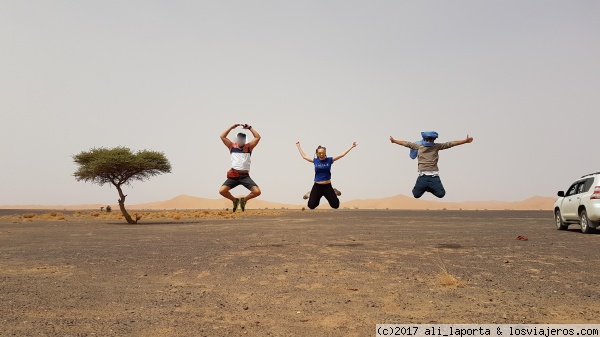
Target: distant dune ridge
[(190, 202), (396, 202), (406, 202)]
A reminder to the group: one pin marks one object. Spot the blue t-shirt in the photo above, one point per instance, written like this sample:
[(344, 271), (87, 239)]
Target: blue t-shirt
[(323, 169)]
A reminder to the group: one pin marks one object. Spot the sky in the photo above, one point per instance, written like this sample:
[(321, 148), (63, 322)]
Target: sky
[(521, 77)]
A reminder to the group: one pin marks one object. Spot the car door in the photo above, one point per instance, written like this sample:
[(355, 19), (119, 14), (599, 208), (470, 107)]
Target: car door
[(571, 202)]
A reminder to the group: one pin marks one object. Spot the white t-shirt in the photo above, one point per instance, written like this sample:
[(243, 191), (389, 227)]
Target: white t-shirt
[(240, 157)]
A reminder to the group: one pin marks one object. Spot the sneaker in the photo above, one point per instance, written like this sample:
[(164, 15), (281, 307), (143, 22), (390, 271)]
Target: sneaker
[(337, 192), (235, 204), (243, 204), (306, 195)]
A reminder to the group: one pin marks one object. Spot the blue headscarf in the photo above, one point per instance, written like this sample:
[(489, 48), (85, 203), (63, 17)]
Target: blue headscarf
[(425, 134)]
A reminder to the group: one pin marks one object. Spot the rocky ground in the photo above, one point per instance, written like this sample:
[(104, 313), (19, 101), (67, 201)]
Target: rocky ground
[(289, 273)]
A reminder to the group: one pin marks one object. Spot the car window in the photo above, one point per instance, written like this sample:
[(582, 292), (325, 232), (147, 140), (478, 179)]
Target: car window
[(587, 185), (573, 189)]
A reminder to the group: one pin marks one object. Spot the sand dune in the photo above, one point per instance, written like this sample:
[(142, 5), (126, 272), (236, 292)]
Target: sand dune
[(190, 202), (58, 207), (405, 202), (395, 202)]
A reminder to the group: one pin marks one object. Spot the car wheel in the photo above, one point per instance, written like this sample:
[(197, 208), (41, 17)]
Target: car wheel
[(560, 225), (585, 223)]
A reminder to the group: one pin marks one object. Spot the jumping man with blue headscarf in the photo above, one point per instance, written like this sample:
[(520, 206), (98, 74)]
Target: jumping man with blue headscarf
[(426, 150)]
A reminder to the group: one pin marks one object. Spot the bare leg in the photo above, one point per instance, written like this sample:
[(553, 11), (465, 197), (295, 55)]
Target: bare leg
[(254, 192), (224, 191)]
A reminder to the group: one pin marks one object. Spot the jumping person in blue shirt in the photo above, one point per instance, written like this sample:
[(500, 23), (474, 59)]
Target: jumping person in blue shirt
[(322, 186)]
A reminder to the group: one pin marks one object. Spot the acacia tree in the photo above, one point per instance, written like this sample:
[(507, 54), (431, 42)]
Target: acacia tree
[(119, 166)]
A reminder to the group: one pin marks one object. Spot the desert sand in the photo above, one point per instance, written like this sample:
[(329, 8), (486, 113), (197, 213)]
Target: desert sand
[(394, 202), (288, 273)]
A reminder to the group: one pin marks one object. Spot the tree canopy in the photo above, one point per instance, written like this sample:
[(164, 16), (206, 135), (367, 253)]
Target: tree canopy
[(119, 166)]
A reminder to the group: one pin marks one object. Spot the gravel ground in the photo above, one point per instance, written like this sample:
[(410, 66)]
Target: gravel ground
[(291, 273)]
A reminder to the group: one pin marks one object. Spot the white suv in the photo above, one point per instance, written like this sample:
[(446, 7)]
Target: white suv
[(580, 205)]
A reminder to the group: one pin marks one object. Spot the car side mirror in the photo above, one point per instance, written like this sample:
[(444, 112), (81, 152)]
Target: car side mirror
[(561, 193)]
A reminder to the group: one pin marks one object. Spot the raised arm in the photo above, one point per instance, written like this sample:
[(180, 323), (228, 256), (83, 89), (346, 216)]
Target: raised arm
[(256, 139), (225, 133), (399, 142), (345, 153), (463, 141), (307, 158)]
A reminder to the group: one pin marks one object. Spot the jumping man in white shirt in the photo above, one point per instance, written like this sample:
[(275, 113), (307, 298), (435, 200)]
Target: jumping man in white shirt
[(239, 174)]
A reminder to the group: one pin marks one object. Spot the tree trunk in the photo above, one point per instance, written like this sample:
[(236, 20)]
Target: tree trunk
[(122, 206)]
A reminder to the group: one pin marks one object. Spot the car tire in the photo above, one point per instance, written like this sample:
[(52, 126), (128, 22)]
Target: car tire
[(560, 225), (586, 226)]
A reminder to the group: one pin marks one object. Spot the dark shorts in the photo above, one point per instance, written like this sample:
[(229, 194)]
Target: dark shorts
[(432, 184), (244, 180)]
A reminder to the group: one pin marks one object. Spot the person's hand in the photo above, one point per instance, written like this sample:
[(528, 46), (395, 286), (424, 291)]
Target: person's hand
[(469, 139), (246, 126), (354, 144), (298, 144), (235, 126), (392, 139)]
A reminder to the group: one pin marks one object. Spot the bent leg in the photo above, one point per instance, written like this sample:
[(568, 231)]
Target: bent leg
[(436, 187), (420, 187), (225, 191), (252, 186), (331, 197), (254, 192), (315, 196)]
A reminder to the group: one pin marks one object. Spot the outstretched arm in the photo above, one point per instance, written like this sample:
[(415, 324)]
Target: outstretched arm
[(225, 133), (256, 139), (345, 153), (399, 142), (307, 158), (463, 141)]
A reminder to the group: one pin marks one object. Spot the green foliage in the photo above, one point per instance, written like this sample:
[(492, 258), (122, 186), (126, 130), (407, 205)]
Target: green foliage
[(119, 165)]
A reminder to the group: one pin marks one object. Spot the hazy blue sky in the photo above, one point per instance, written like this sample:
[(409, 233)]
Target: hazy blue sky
[(522, 77)]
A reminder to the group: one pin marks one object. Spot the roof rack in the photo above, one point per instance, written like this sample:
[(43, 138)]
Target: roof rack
[(591, 174)]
